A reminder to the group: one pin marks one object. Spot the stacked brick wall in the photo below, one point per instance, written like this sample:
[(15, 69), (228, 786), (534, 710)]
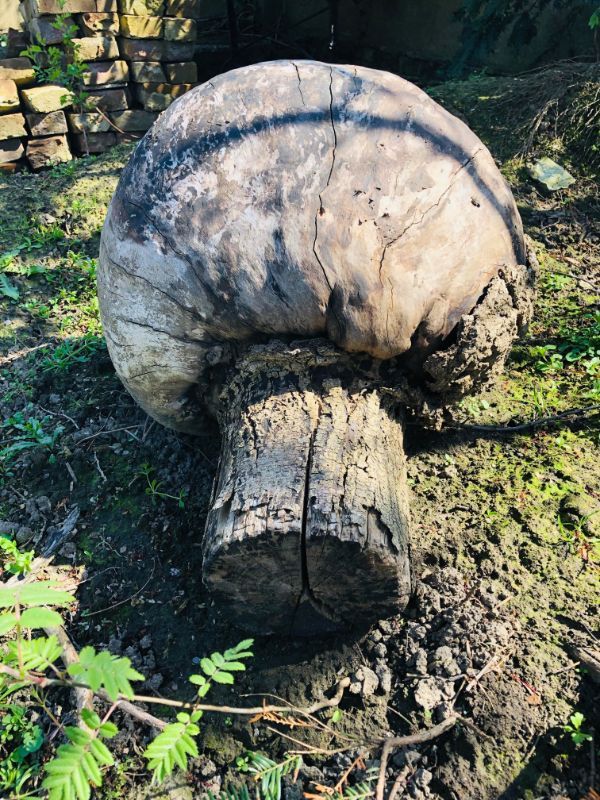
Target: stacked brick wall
[(139, 56)]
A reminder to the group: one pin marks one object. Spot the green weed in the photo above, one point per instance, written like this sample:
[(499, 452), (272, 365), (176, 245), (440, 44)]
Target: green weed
[(574, 728), (71, 352), (153, 487), (20, 742), (26, 433)]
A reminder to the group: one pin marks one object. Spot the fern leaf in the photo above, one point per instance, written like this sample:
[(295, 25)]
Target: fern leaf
[(231, 793), (105, 671), (76, 766), (37, 654), (172, 747), (270, 773)]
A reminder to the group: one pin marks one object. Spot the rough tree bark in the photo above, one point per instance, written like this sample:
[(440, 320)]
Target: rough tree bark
[(308, 528)]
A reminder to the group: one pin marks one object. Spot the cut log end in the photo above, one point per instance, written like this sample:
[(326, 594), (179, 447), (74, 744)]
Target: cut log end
[(308, 530)]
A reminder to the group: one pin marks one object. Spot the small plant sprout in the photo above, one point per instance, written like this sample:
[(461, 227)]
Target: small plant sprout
[(13, 560), (574, 728), (154, 491)]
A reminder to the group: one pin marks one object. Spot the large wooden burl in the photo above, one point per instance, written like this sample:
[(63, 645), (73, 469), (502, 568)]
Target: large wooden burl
[(306, 251)]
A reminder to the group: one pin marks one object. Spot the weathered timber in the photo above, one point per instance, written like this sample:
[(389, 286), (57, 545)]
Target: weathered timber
[(305, 251), (308, 529)]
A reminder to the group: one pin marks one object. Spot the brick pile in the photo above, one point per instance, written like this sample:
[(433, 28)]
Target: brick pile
[(140, 55)]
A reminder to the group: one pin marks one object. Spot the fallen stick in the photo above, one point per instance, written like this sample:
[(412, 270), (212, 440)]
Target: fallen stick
[(523, 426), (83, 697), (395, 742)]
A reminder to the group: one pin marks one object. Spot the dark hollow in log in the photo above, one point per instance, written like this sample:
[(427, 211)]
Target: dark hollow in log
[(308, 530)]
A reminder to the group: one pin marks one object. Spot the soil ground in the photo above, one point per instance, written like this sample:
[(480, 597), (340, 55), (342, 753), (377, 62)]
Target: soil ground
[(505, 540)]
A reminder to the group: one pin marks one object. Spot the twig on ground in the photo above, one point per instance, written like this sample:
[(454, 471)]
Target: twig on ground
[(59, 414), (41, 681), (143, 716), (489, 666), (524, 426), (106, 433), (400, 782), (21, 353), (71, 473), (83, 697), (99, 468), (395, 742), (126, 599)]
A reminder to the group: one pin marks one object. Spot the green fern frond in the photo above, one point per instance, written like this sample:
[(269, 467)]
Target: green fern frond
[(36, 654), (76, 766), (359, 791), (105, 671), (270, 773), (231, 793), (173, 746)]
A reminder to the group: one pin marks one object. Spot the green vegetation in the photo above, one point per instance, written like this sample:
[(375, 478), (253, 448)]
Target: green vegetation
[(61, 65), (575, 730)]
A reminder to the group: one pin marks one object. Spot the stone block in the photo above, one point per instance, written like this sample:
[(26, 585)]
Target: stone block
[(119, 122), (183, 72), (9, 96), (147, 72), (12, 126), (142, 8), (94, 142), (96, 24), (97, 48), (134, 27), (47, 124), (156, 50), (19, 70), (16, 42), (10, 166), (178, 29), (91, 122), (11, 150), (42, 29), (37, 8), (43, 99), (159, 96), (109, 99), (48, 151), (191, 9), (134, 121), (106, 6), (102, 72)]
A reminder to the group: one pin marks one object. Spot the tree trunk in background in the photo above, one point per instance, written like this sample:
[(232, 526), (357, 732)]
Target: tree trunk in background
[(308, 530)]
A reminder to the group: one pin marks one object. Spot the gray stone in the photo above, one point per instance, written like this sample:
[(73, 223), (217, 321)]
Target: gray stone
[(19, 70), (47, 124), (23, 535), (48, 151), (11, 150), (384, 674), (369, 681), (428, 694)]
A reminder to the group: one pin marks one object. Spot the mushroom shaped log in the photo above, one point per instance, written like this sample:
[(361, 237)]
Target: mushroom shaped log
[(305, 250)]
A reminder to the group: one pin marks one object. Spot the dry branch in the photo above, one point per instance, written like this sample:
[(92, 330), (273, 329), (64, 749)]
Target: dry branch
[(395, 742)]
